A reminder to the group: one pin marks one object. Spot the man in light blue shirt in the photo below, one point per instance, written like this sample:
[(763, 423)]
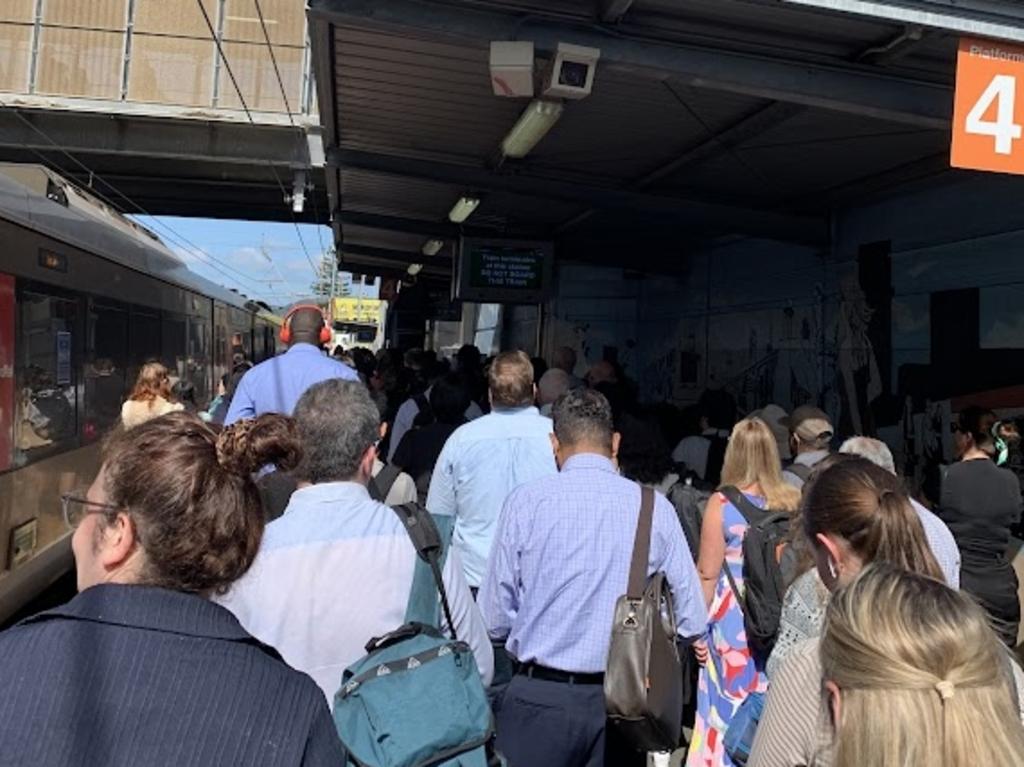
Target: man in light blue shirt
[(560, 562), (484, 460), (275, 385)]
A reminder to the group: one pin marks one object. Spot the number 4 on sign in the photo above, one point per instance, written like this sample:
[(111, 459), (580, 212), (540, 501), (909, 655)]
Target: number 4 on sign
[(1003, 92)]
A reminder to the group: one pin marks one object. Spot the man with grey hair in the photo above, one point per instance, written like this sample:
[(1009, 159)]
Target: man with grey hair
[(940, 539), (552, 385), (564, 359), (336, 569)]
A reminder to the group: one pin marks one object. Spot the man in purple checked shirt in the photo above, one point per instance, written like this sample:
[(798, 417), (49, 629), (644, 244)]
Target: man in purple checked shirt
[(559, 563)]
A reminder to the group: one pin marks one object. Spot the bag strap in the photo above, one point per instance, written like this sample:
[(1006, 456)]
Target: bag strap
[(641, 546), (430, 536), (381, 485), (752, 513)]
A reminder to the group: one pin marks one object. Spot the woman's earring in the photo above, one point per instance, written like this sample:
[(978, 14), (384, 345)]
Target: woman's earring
[(832, 569)]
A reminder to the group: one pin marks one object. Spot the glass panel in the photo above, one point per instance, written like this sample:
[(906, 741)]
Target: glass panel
[(46, 375), (173, 345), (78, 62), (94, 14), (15, 54), (18, 10), (199, 360), (255, 73), (143, 342), (6, 371), (285, 19), (105, 368), (171, 70), (179, 18)]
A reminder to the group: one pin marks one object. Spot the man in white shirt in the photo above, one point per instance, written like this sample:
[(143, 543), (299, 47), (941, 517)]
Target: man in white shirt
[(336, 569)]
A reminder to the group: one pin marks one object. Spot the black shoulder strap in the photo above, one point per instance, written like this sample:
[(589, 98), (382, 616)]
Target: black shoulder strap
[(421, 402), (381, 485), (426, 539), (751, 512), (800, 470), (641, 546)]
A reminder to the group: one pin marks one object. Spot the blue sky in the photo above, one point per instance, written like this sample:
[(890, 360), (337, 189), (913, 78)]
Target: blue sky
[(264, 260)]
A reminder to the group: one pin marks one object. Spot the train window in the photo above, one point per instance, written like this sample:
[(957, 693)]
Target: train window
[(106, 354), (46, 375), (173, 348), (199, 360), (143, 341)]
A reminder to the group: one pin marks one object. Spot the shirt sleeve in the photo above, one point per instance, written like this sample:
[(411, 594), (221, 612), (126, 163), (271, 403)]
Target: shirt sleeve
[(469, 624), (676, 562), (788, 733), (441, 496), (404, 419), (498, 597), (242, 404)]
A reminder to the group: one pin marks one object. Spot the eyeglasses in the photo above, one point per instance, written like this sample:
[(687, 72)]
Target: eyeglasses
[(75, 507)]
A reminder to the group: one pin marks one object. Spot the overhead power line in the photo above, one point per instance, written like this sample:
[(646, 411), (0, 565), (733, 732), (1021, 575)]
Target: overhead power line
[(248, 114)]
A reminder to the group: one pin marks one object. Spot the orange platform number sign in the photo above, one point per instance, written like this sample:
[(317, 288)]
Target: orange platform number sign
[(988, 118)]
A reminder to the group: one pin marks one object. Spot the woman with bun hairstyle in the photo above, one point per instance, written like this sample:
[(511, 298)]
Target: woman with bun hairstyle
[(981, 502), (141, 667), (915, 676)]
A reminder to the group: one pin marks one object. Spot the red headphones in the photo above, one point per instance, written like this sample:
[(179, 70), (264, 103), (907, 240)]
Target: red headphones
[(326, 336)]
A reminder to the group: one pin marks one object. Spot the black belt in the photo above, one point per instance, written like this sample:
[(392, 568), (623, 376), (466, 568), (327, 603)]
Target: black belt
[(535, 671)]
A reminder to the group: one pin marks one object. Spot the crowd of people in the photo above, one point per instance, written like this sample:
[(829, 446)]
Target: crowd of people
[(236, 567)]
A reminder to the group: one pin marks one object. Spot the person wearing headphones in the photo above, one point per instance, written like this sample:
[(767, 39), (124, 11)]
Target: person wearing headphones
[(276, 384)]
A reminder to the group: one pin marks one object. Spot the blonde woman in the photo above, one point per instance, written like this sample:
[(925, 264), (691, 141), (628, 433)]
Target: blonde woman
[(729, 673), (916, 676), (150, 398)]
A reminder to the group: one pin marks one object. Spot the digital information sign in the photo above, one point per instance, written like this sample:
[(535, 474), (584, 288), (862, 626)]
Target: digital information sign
[(504, 271)]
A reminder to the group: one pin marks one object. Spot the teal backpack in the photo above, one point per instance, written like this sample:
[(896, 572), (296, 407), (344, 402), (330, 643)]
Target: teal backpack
[(416, 699)]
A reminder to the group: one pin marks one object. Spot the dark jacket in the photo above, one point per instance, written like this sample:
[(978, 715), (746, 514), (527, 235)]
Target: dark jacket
[(135, 675)]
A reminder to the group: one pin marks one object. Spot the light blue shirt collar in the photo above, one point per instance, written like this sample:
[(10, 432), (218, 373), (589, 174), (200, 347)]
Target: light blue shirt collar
[(590, 461), (303, 348), (328, 492)]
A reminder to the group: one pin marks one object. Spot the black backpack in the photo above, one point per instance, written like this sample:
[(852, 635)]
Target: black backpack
[(689, 502), (764, 580), (424, 413)]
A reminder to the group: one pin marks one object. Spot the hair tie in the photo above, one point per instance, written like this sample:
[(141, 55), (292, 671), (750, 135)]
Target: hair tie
[(945, 689)]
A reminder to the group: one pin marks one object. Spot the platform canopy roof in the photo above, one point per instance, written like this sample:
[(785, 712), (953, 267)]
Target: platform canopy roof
[(707, 119)]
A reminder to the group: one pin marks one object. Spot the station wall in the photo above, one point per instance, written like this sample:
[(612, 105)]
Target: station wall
[(920, 299)]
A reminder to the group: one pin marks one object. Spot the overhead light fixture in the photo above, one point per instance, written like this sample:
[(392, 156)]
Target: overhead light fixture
[(432, 247), (533, 125), (463, 209), (414, 269)]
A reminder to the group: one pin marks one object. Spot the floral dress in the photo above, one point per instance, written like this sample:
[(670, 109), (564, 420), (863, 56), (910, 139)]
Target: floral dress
[(730, 674)]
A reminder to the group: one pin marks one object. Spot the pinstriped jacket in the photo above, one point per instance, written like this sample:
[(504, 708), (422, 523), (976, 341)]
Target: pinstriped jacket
[(136, 675)]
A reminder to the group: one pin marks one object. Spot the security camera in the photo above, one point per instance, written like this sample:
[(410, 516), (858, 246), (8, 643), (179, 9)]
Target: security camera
[(571, 75)]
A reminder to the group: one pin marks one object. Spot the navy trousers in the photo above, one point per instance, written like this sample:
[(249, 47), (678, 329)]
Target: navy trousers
[(557, 724)]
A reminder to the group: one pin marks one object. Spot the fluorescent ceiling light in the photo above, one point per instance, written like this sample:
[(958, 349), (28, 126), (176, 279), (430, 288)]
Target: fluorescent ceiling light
[(534, 123), (463, 209), (432, 247), (415, 269)]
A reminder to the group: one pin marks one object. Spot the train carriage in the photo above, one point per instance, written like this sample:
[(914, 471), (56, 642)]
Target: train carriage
[(86, 297)]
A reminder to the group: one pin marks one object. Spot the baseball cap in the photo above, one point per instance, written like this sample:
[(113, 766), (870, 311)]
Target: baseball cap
[(810, 425)]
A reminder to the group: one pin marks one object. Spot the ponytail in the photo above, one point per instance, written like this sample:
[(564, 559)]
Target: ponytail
[(868, 508)]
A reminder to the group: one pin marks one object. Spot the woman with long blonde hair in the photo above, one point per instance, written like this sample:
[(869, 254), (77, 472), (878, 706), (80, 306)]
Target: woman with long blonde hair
[(729, 671), (915, 675), (151, 397)]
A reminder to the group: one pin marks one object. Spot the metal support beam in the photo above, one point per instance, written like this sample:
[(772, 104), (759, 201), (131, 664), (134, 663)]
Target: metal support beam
[(438, 229), (612, 11), (405, 257), (841, 87), (733, 219)]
